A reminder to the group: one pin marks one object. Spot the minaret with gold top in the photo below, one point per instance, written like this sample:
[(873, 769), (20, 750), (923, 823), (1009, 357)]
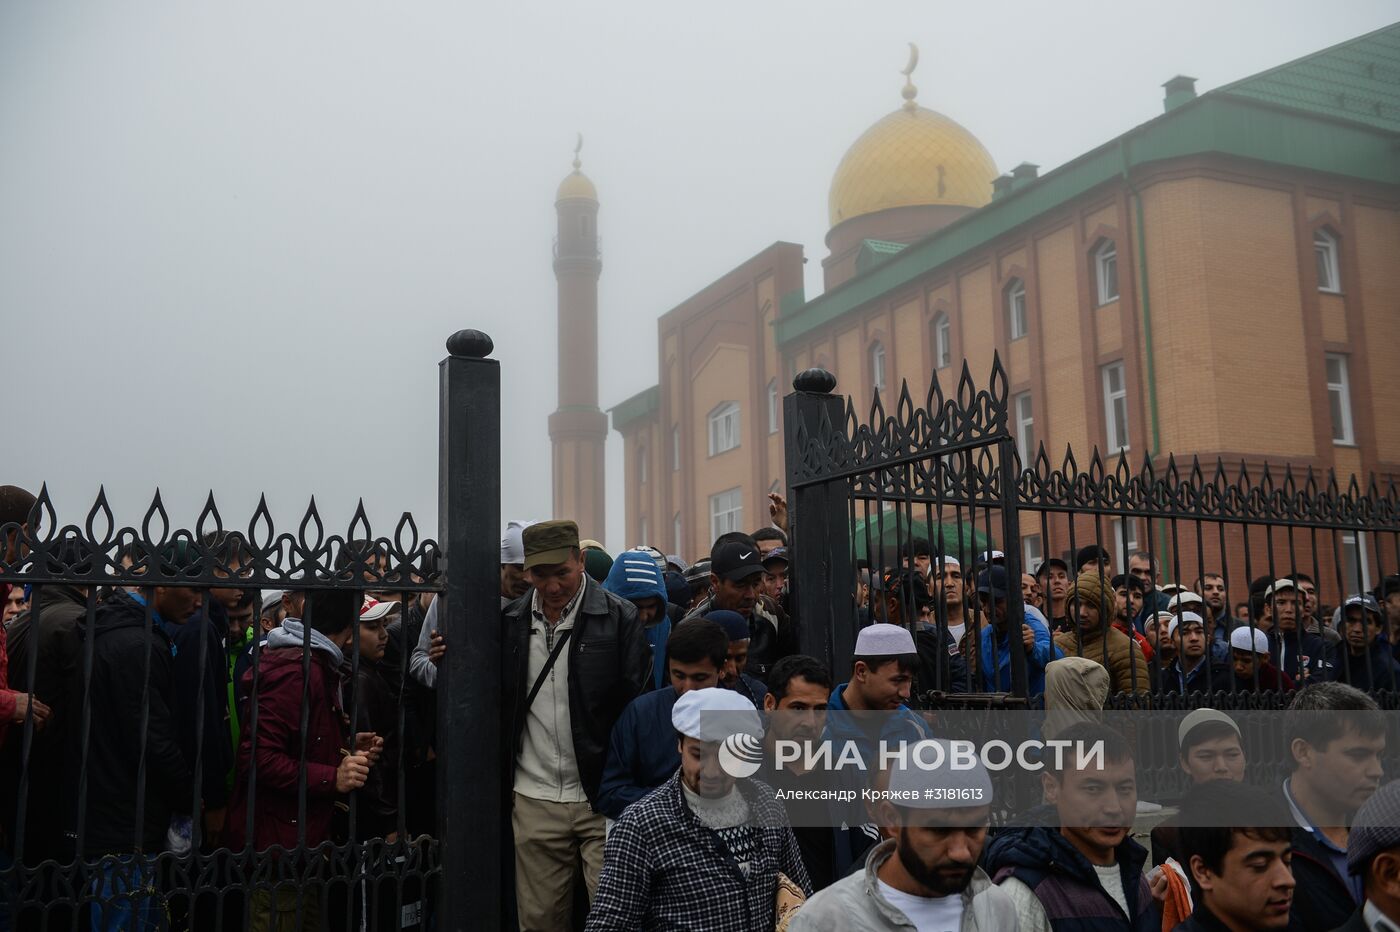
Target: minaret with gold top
[(578, 430)]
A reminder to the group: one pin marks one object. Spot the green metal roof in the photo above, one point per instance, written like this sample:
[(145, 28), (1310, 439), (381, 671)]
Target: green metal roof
[(874, 251), (1225, 121), (645, 402), (1357, 80)]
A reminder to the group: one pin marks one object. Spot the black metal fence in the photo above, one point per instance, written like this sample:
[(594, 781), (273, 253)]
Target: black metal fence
[(169, 774), (938, 486)]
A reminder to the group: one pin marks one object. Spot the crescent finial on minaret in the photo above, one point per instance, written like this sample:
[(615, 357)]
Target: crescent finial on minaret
[(578, 147), (910, 91)]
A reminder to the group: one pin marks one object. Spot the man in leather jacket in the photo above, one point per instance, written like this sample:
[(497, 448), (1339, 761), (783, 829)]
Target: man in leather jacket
[(574, 656), (736, 576)]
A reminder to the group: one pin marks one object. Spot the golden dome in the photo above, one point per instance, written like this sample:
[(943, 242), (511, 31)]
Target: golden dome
[(576, 185), (913, 157)]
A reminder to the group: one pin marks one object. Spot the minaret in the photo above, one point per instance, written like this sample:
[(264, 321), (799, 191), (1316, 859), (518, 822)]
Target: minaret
[(577, 429)]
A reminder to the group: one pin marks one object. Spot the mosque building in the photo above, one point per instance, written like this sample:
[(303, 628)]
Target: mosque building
[(1222, 280)]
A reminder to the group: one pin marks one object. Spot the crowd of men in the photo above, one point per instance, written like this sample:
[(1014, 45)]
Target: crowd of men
[(170, 719)]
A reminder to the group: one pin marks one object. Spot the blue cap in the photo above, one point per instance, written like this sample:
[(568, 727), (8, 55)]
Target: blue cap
[(992, 581), (734, 624)]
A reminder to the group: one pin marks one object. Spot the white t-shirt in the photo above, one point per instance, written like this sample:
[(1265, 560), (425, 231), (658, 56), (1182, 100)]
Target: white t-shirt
[(1111, 879), (956, 631), (928, 914)]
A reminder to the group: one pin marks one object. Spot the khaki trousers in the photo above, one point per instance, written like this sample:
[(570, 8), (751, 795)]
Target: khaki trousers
[(550, 840)]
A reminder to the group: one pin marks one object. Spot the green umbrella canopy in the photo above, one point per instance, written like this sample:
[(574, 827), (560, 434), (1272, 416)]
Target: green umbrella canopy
[(887, 535)]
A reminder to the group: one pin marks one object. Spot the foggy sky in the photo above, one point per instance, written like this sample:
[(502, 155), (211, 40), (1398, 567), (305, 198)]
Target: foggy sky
[(234, 239)]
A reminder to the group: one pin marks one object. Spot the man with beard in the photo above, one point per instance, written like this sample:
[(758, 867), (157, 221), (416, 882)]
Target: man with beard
[(796, 710), (1238, 855), (924, 875), (1084, 872), (1336, 736)]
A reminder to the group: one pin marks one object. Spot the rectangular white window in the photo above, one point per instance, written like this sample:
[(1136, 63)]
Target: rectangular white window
[(1329, 276), (1025, 429), (877, 366), (1115, 407), (676, 534), (726, 512), (772, 406), (1123, 547), (724, 428), (942, 342), (675, 448), (1339, 398), (1032, 552), (1106, 272), (1016, 310), (642, 466), (1356, 566)]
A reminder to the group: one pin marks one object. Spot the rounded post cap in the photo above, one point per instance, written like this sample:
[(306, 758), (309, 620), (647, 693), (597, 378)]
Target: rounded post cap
[(816, 381), (471, 344)]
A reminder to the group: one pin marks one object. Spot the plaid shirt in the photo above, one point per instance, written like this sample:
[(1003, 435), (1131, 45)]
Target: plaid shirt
[(663, 869)]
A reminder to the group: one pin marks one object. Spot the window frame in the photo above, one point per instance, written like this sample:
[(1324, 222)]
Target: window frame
[(643, 470), (676, 533), (1025, 424), (1123, 549), (942, 341), (877, 358), (1032, 552), (1104, 252), (675, 448), (1342, 391), (1017, 319), (1111, 398), (725, 411), (1327, 251), (733, 515)]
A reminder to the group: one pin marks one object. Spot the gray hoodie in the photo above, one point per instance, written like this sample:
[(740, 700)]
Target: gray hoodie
[(855, 904)]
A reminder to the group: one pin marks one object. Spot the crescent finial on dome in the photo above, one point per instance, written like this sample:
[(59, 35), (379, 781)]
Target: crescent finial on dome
[(910, 91), (578, 147)]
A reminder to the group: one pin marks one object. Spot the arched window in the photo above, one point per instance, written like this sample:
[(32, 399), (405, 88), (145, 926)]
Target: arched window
[(877, 365), (1106, 271), (942, 342), (724, 427), (1329, 276), (1016, 309)]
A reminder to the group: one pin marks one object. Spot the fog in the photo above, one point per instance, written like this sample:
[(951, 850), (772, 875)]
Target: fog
[(233, 238)]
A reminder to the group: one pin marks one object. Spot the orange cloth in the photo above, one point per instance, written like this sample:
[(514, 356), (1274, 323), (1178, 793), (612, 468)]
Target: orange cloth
[(1177, 907)]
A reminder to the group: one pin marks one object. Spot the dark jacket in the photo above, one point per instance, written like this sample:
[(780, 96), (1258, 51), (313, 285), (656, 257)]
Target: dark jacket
[(609, 666), (124, 648), (377, 710), (1304, 656), (941, 664), (61, 611), (1209, 676), (773, 635), (1376, 669), (642, 753), (1322, 899), (201, 686), (1353, 924), (279, 734), (1268, 677), (1203, 920), (1066, 885)]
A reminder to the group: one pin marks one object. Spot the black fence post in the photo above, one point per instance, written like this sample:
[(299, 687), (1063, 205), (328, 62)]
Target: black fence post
[(470, 892), (1009, 477), (819, 526)]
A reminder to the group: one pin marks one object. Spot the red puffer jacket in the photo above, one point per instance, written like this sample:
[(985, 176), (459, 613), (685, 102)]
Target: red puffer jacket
[(279, 751)]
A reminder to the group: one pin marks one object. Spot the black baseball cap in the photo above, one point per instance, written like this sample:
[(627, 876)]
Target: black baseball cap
[(735, 561), (992, 581), (1053, 561)]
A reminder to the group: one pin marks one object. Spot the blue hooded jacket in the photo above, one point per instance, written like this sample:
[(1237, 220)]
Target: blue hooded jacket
[(635, 576)]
